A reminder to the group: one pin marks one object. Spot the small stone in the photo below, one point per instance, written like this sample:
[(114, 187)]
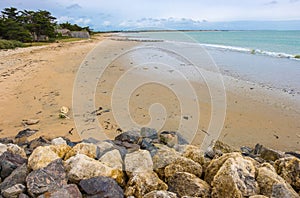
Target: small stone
[(30, 121), (141, 183), (168, 138), (22, 195), (9, 162), (102, 187), (58, 141), (149, 133), (235, 178), (186, 184), (81, 167), (14, 191), (69, 191), (87, 149), (47, 179), (132, 137), (289, 169), (160, 194), (18, 176), (138, 161), (183, 164)]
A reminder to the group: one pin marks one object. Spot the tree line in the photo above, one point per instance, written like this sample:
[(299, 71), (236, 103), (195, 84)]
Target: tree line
[(28, 25)]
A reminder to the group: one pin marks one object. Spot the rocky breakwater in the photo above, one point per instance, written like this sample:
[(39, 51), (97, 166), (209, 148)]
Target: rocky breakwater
[(143, 164)]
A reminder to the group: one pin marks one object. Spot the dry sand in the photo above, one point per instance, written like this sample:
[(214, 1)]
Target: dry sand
[(35, 82)]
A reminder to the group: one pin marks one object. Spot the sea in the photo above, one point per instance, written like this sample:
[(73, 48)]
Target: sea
[(268, 58)]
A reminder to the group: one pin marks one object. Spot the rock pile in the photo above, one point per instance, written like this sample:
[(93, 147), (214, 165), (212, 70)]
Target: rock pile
[(143, 164)]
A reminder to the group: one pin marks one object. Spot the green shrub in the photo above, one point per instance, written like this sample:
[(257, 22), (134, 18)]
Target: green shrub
[(297, 56), (10, 44)]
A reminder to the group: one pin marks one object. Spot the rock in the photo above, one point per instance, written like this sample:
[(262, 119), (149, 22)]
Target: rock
[(61, 150), (218, 148), (30, 122), (267, 153), (3, 148), (47, 179), (132, 137), (22, 195), (141, 183), (58, 141), (280, 191), (15, 149), (130, 147), (25, 133), (102, 186), (18, 176), (6, 141), (41, 157), (149, 133), (216, 164), (81, 167), (194, 153), (168, 138), (258, 196), (271, 183), (236, 178), (104, 146), (160, 194), (113, 159), (138, 161), (41, 141), (9, 162), (289, 169), (87, 149), (70, 191), (186, 184), (163, 158), (149, 146), (183, 164), (14, 191)]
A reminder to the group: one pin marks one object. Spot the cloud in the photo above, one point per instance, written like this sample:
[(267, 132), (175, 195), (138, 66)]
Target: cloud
[(294, 1), (272, 3), (73, 6), (106, 23), (82, 21), (63, 19)]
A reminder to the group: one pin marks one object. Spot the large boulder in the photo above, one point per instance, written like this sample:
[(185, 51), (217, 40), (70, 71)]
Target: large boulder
[(114, 160), (236, 178), (69, 191), (41, 157), (216, 164), (81, 167), (9, 162), (141, 183), (18, 176), (163, 158), (183, 164), (138, 161), (102, 187), (160, 194), (87, 149), (271, 183), (186, 184), (47, 179), (289, 169)]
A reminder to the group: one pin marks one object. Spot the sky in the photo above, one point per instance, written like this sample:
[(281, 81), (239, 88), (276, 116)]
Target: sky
[(103, 15)]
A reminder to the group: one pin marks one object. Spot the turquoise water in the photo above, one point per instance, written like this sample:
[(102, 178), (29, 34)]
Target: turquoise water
[(275, 43)]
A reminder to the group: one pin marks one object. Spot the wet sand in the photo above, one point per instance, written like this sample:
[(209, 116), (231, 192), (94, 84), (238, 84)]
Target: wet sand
[(36, 82)]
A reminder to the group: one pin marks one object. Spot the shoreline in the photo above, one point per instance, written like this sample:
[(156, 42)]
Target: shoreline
[(47, 85)]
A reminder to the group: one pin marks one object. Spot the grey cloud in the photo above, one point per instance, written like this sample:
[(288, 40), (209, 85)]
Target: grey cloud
[(74, 6), (271, 3)]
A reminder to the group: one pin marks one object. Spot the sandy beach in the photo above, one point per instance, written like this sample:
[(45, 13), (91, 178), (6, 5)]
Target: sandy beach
[(36, 82)]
